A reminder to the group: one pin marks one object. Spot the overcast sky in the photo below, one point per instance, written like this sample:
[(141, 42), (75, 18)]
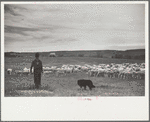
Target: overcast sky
[(49, 27)]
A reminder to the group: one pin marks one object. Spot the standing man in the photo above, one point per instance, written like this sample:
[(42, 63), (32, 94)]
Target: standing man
[(38, 69)]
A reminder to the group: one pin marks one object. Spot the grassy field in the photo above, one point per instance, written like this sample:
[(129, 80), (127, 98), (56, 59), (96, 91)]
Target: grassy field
[(21, 62), (67, 85)]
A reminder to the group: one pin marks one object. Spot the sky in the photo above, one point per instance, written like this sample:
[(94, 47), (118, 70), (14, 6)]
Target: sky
[(55, 27)]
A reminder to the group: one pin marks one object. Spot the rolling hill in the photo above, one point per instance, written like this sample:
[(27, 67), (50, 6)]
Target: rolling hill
[(129, 54)]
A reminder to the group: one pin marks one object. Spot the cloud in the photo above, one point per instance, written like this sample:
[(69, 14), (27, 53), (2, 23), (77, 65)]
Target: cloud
[(18, 30), (10, 9), (127, 46), (68, 40), (75, 26)]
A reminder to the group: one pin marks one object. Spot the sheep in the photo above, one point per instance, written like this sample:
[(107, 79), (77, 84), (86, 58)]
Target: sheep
[(76, 70), (19, 72), (9, 71), (78, 66), (93, 72), (46, 68), (123, 71), (60, 71), (84, 68), (109, 73), (69, 70), (26, 71), (47, 72), (140, 74), (100, 72)]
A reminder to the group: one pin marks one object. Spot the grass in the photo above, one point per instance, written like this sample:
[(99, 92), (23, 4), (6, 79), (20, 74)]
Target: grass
[(20, 63), (67, 85)]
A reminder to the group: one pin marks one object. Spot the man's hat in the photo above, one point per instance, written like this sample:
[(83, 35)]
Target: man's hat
[(37, 55)]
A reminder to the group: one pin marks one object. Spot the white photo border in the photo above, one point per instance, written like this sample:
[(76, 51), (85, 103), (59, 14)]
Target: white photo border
[(69, 108)]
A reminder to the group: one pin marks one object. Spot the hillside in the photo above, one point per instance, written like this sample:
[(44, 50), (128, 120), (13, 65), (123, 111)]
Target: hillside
[(128, 54)]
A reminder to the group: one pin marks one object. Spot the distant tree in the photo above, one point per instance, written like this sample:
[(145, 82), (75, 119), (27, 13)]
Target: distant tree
[(135, 57), (60, 55), (129, 57), (71, 55), (101, 56), (116, 56), (80, 55), (142, 57), (120, 56)]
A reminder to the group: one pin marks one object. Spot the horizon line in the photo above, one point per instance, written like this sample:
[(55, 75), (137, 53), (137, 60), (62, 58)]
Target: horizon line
[(67, 50)]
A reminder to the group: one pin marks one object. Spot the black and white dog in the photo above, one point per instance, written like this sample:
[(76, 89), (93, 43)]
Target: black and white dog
[(84, 83)]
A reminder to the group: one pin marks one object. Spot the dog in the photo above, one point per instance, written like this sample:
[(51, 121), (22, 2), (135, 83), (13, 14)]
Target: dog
[(84, 83)]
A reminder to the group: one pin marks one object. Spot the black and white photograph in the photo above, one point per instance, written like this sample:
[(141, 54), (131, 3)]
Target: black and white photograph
[(74, 50)]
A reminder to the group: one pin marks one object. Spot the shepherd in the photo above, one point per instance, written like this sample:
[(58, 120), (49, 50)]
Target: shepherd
[(38, 69)]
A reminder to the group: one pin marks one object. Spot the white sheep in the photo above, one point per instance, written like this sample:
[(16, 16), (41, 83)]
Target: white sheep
[(47, 72), (60, 71), (9, 71), (26, 71)]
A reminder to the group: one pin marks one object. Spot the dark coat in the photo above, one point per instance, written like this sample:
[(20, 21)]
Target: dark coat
[(38, 68), (37, 64)]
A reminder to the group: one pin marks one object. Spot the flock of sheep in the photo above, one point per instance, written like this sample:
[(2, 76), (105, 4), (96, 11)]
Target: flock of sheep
[(123, 71)]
